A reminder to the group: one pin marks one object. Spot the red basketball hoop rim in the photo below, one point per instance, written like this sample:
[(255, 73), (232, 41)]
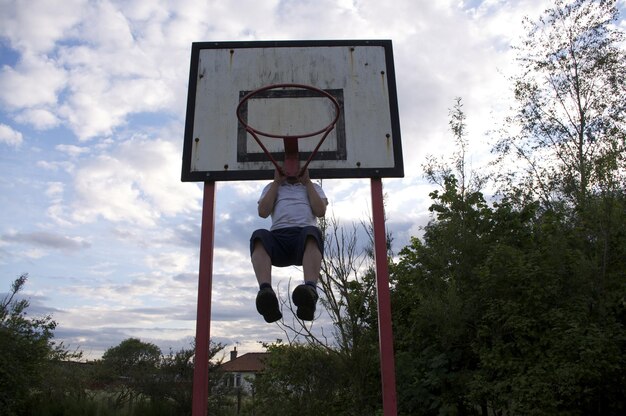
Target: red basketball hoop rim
[(321, 92)]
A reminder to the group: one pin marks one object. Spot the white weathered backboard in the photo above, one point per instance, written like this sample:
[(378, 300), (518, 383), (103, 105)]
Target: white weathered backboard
[(358, 74)]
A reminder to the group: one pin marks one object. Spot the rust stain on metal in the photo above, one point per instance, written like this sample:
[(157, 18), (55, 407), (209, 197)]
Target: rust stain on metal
[(201, 75), (352, 61), (196, 144)]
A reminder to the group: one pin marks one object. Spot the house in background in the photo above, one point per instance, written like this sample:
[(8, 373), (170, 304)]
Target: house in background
[(241, 371)]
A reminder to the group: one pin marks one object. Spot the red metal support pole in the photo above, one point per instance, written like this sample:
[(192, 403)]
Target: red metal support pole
[(292, 161), (385, 332), (203, 321)]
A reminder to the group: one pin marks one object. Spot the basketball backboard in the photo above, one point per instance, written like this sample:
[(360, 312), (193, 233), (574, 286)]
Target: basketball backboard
[(359, 74)]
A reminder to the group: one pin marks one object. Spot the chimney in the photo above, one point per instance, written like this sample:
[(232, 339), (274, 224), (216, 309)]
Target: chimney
[(233, 354)]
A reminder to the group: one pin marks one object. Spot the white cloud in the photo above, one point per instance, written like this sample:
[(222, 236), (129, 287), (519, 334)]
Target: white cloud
[(105, 268), (57, 213), (40, 118), (87, 109), (349, 200), (55, 166), (34, 253), (105, 25), (47, 240), (124, 58), (36, 25), (55, 190), (136, 181), (72, 150), (170, 263), (106, 188), (232, 263), (10, 136), (247, 189), (35, 81), (94, 69)]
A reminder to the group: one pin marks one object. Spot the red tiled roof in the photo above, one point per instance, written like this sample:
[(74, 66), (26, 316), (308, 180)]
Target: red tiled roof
[(251, 362)]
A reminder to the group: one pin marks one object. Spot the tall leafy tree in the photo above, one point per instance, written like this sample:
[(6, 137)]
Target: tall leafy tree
[(571, 118), (572, 122), (142, 379), (571, 100), (349, 286), (130, 367), (436, 304), (497, 308)]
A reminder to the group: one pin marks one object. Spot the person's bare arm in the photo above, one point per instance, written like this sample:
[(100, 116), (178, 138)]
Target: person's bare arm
[(318, 204), (266, 204)]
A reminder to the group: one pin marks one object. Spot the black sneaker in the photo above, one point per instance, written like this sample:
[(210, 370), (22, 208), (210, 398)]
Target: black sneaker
[(267, 305), (305, 297)]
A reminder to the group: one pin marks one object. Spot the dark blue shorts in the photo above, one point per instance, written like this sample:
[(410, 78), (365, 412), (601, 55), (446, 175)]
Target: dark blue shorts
[(285, 246)]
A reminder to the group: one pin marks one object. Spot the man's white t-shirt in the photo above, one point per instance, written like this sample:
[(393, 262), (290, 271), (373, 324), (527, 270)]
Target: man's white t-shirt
[(292, 207)]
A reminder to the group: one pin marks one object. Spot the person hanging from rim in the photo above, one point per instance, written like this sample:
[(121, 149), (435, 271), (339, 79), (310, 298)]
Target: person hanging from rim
[(293, 239)]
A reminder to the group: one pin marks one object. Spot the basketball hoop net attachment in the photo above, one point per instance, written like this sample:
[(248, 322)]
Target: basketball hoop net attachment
[(292, 158)]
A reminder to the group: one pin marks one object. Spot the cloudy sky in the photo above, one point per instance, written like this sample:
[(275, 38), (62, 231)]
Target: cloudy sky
[(92, 108)]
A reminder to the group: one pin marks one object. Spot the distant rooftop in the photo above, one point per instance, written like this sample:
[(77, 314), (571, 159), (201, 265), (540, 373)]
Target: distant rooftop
[(252, 362)]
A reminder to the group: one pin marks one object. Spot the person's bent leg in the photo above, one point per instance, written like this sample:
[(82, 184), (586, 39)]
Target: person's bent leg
[(305, 296), (266, 300), (261, 263), (311, 261)]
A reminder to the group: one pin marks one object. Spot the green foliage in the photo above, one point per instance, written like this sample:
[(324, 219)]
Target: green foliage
[(499, 308), (27, 352), (132, 357), (138, 376), (348, 283), (129, 369), (518, 306), (347, 293), (302, 380), (174, 382), (435, 303)]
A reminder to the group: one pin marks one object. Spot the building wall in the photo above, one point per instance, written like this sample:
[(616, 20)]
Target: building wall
[(241, 379)]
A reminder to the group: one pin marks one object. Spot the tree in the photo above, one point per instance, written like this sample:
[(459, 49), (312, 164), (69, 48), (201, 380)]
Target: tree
[(141, 377), (437, 170), (540, 349), (349, 286), (571, 116), (435, 304), (130, 368), (302, 379), (571, 103), (496, 309), (27, 352), (175, 380), (172, 388), (347, 294)]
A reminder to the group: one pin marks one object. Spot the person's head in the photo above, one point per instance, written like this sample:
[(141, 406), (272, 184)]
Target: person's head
[(293, 179)]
